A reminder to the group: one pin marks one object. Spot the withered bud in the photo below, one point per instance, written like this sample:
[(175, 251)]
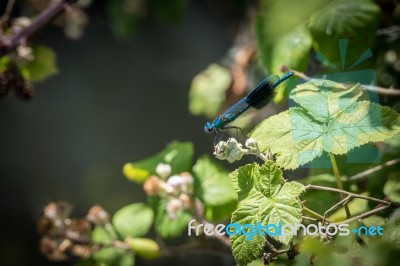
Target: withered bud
[(152, 185), (98, 215)]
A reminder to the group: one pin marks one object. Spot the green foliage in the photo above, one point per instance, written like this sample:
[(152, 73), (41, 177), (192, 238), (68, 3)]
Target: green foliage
[(207, 92), (43, 65), (264, 197), (133, 220), (104, 234), (177, 154), (341, 19), (301, 134), (214, 189)]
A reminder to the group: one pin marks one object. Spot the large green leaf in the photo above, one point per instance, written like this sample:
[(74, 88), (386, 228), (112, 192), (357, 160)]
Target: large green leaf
[(43, 65), (177, 154), (353, 21), (301, 134), (265, 197), (133, 220), (212, 185), (323, 99)]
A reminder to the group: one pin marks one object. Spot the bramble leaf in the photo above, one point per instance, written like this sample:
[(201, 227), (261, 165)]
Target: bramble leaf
[(212, 185), (352, 21), (301, 134), (265, 198), (133, 220)]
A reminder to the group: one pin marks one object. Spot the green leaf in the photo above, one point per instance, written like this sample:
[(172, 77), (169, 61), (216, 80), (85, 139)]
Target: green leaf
[(301, 134), (114, 256), (124, 17), (104, 234), (43, 65), (392, 187), (342, 19), (133, 220), (145, 247), (177, 154), (207, 92), (324, 99), (167, 227), (212, 185), (265, 198)]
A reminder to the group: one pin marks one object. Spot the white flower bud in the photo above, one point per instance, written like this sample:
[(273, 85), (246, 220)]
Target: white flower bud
[(163, 170)]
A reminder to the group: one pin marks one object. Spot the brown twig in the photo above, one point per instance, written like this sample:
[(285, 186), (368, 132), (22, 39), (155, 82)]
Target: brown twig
[(373, 170), (354, 195), (380, 90), (18, 38)]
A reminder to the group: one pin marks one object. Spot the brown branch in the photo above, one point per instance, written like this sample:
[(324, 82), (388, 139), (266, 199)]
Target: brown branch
[(364, 215), (372, 170), (18, 38), (354, 195), (380, 90)]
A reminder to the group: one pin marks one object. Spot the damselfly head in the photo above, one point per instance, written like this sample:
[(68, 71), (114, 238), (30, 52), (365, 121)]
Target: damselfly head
[(208, 128)]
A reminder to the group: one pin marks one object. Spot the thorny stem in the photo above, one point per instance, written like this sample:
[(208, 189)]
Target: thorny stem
[(339, 183), (373, 170), (387, 204), (354, 195), (9, 44), (380, 90)]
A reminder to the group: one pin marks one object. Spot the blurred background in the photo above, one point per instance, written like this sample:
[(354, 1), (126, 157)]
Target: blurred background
[(114, 100)]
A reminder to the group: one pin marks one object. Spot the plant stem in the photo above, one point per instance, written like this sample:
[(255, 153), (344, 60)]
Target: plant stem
[(7, 45), (380, 90), (339, 183)]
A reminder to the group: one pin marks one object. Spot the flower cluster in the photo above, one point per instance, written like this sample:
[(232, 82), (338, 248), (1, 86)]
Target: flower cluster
[(176, 189)]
